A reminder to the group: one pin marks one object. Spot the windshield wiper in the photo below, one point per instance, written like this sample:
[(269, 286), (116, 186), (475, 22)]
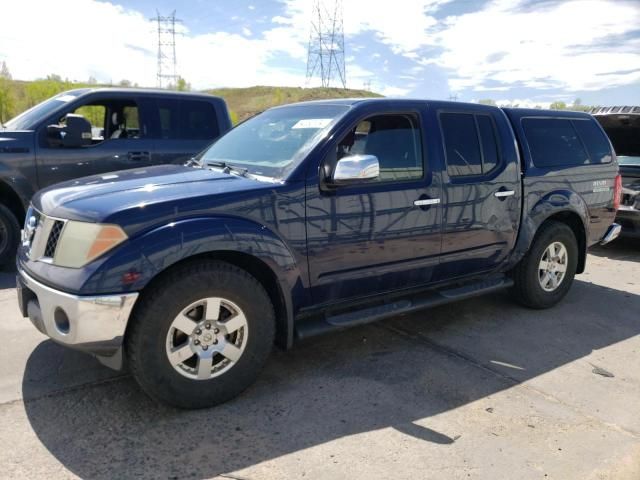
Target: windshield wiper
[(228, 168)]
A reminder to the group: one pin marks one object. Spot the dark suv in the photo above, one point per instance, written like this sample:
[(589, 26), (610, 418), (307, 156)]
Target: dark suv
[(92, 131)]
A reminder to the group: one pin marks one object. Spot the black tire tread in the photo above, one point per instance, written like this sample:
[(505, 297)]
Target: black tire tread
[(526, 289), (8, 256), (150, 306)]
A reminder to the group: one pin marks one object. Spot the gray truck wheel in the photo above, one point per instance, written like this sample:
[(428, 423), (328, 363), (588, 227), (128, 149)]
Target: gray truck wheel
[(9, 236), (543, 277), (201, 335)]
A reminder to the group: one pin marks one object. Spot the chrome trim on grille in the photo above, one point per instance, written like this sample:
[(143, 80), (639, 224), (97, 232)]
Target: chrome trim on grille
[(37, 241)]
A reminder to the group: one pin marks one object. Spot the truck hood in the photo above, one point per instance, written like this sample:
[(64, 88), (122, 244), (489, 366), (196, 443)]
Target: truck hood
[(130, 198)]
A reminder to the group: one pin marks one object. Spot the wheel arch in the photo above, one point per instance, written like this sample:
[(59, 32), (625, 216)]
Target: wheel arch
[(12, 200), (256, 268), (562, 206)]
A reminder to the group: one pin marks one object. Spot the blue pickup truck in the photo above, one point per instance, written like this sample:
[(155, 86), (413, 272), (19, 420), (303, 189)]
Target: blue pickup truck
[(310, 218), (97, 130)]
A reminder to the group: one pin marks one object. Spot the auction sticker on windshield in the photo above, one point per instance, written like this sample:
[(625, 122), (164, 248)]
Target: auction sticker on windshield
[(312, 123)]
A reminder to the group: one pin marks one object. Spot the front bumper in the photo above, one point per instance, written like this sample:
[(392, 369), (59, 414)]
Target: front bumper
[(613, 232), (94, 324)]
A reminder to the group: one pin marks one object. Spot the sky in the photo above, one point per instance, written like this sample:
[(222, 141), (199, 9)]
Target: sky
[(529, 52)]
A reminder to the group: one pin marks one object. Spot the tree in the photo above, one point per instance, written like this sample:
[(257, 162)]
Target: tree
[(124, 83), (487, 101), (4, 71), (7, 99), (182, 85), (558, 106)]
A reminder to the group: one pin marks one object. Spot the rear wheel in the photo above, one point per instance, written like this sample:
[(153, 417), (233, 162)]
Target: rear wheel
[(543, 277), (9, 236), (201, 335)]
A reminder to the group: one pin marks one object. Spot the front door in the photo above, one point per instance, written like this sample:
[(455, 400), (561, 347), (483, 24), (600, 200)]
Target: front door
[(120, 140), (381, 235)]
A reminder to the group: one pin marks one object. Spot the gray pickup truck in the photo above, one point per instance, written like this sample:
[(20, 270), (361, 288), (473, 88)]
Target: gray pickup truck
[(91, 131)]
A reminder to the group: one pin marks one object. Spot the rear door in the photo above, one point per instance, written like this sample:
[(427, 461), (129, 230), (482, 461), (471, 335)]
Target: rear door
[(481, 192), (183, 128)]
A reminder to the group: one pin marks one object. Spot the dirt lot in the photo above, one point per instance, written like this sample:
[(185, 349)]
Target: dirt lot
[(482, 389)]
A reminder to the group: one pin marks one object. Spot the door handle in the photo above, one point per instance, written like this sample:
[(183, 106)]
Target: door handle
[(137, 156), (426, 201), (504, 193)]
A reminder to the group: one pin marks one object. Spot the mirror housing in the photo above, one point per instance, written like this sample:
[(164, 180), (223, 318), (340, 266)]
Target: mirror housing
[(355, 169), (75, 133)]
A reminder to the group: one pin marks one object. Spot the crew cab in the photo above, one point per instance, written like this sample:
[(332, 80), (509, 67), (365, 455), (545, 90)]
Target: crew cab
[(310, 218), (622, 125), (96, 130)]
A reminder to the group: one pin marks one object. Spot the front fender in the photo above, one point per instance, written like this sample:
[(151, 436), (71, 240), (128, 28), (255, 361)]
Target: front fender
[(553, 203), (150, 253)]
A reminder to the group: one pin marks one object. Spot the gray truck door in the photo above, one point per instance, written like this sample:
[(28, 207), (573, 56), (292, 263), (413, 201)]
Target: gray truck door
[(120, 140)]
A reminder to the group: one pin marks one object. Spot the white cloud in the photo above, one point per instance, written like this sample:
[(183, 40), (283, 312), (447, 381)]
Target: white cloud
[(559, 46)]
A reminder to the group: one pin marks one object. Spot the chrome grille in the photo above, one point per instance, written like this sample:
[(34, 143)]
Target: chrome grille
[(54, 236)]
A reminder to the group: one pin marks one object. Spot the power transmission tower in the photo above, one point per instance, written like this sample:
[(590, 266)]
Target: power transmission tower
[(325, 56), (167, 65)]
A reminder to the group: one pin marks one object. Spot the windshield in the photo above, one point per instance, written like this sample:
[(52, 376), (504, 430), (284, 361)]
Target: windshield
[(27, 120), (274, 142)]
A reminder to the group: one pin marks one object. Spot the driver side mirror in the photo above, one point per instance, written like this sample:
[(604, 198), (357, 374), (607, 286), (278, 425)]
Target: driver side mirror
[(76, 132), (355, 169)]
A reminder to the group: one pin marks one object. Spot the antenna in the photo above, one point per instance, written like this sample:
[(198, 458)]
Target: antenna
[(167, 65), (325, 56)]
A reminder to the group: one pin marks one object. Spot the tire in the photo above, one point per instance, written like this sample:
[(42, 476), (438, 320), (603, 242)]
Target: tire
[(9, 237), (534, 287), (157, 331)]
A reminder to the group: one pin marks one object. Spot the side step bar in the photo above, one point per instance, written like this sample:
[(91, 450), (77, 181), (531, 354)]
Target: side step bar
[(322, 324)]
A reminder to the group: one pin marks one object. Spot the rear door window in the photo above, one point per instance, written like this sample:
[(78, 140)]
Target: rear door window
[(554, 142), (461, 144), (470, 142), (187, 120)]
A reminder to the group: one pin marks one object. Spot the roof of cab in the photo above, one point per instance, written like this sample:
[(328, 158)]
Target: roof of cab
[(141, 91)]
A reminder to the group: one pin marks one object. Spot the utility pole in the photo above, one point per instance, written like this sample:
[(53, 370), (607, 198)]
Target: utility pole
[(453, 97), (167, 64), (325, 56)]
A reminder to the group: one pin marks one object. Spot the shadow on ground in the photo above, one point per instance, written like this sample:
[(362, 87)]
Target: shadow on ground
[(390, 374), (620, 249)]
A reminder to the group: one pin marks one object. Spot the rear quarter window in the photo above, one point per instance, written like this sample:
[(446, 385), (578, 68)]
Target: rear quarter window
[(560, 142)]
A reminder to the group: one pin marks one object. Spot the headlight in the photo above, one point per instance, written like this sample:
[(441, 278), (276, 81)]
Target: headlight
[(81, 242)]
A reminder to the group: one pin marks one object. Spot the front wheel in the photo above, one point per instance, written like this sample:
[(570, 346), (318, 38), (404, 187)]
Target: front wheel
[(201, 335), (543, 277), (9, 237)]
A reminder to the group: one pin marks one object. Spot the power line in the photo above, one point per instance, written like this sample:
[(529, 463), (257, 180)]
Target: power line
[(325, 57), (167, 64)]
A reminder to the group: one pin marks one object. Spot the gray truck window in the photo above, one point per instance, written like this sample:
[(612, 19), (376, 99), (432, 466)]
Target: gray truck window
[(461, 144), (393, 139), (187, 120), (595, 141), (554, 142)]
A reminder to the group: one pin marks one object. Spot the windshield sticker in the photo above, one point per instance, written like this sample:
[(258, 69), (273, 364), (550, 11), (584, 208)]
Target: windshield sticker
[(65, 98), (312, 123)]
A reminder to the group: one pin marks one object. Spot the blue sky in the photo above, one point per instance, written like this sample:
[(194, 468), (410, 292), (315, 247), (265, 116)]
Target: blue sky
[(529, 52)]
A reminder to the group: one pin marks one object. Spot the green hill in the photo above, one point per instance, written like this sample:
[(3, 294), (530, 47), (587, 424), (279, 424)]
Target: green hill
[(17, 95), (246, 102)]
